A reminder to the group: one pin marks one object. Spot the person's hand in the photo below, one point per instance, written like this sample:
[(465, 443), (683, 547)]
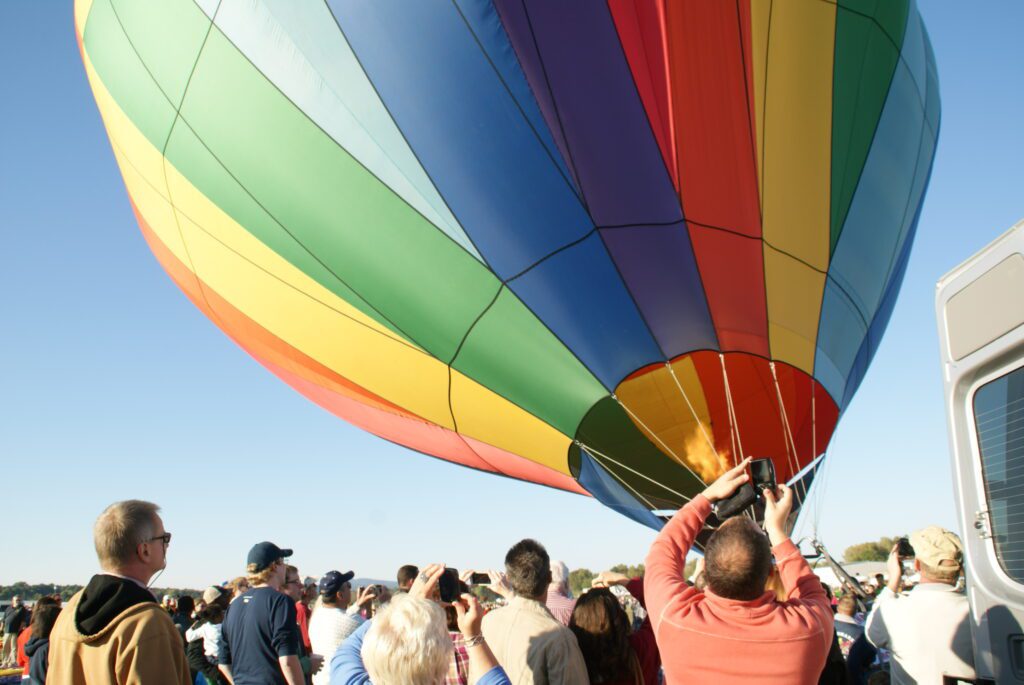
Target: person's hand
[(366, 595), (469, 614), (499, 584), (609, 578), (777, 506), (425, 585), (316, 662), (894, 567), (728, 482)]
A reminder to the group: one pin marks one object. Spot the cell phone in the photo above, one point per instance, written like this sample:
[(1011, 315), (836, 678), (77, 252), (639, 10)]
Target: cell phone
[(480, 579), (903, 548), (448, 585), (762, 474)]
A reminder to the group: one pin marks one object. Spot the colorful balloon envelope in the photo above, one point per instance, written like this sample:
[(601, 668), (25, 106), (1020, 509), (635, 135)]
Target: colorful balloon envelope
[(607, 247)]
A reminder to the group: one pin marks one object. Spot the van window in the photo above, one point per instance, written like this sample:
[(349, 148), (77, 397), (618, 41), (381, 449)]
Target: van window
[(999, 417)]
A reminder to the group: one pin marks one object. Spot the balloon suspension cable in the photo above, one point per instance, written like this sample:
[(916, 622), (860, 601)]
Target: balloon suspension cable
[(734, 424), (814, 451), (734, 428), (629, 487), (700, 424), (792, 458), (604, 457), (661, 442)]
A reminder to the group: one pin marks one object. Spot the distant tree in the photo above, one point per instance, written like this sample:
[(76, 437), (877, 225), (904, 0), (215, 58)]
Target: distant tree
[(636, 571), (869, 551), (30, 592), (580, 579)]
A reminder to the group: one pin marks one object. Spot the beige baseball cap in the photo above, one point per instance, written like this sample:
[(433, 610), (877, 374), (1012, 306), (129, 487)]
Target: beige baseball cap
[(934, 545)]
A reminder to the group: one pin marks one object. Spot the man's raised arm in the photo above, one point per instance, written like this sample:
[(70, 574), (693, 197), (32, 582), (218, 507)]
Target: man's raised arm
[(663, 569)]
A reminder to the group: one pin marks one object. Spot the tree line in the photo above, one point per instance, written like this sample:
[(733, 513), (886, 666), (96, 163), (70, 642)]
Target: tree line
[(30, 592)]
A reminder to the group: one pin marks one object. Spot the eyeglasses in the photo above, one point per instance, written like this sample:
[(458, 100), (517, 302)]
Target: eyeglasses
[(293, 581), (166, 537)]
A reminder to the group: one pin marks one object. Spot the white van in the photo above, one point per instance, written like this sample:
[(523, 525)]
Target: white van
[(980, 310)]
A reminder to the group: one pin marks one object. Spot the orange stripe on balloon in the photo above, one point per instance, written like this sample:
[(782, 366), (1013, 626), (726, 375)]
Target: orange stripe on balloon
[(524, 469), (340, 396), (258, 341)]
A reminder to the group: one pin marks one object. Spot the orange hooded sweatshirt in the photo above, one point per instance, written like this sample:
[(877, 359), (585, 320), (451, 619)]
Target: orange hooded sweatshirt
[(704, 638)]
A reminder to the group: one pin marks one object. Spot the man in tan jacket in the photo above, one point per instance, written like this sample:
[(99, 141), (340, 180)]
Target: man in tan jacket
[(114, 631), (529, 643)]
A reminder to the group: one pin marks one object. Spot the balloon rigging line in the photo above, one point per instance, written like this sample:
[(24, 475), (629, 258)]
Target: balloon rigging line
[(696, 418), (792, 457), (630, 487), (734, 427), (658, 438), (814, 443), (601, 455)]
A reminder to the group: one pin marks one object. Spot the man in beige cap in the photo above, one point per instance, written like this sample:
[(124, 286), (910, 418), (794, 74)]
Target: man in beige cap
[(928, 629)]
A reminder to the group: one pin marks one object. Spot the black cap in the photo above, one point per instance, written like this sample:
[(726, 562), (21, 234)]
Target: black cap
[(263, 554), (332, 581)]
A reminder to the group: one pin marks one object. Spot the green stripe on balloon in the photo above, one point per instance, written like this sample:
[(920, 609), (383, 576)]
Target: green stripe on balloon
[(433, 292), (869, 37)]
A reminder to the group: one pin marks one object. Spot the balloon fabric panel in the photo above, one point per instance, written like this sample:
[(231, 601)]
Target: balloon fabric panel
[(609, 249)]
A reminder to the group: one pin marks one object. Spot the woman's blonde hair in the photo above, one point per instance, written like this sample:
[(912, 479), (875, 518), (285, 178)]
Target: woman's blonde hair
[(408, 643), (121, 528)]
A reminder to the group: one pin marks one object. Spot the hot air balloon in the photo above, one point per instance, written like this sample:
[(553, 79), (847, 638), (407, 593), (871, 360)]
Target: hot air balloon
[(607, 247)]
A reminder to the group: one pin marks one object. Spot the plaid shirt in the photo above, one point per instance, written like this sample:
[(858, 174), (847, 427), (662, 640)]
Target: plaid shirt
[(559, 605), (458, 667)]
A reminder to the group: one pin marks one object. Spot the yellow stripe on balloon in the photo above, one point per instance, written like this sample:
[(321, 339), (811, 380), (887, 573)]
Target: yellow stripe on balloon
[(82, 8), (665, 417), (795, 292), (796, 170), (760, 13), (304, 314)]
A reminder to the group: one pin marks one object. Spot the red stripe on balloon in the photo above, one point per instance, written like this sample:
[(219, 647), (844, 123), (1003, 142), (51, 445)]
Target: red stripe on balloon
[(714, 133), (709, 63), (758, 417), (732, 272)]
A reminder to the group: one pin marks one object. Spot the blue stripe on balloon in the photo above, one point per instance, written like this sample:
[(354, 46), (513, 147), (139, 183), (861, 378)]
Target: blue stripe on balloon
[(572, 56), (579, 296), (468, 130), (488, 28), (574, 62), (607, 490), (874, 238)]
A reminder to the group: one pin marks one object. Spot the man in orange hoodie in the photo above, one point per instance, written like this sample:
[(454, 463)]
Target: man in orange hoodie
[(735, 631)]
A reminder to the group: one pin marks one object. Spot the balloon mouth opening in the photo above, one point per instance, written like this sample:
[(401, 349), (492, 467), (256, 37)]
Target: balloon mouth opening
[(670, 428)]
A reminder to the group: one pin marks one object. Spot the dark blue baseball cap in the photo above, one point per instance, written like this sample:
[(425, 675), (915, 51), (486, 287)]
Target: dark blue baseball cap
[(332, 581), (263, 554)]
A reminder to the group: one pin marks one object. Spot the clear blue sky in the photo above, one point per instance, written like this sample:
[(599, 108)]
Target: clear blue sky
[(114, 386)]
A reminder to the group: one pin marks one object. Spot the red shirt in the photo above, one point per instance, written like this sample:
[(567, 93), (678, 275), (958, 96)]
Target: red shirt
[(302, 618), (706, 638), (642, 640), (23, 637)]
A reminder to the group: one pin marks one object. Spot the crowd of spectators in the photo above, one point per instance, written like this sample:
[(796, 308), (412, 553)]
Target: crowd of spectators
[(753, 612)]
